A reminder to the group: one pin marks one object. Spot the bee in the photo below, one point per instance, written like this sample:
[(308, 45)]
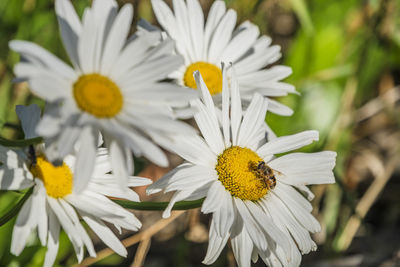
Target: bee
[(264, 172)]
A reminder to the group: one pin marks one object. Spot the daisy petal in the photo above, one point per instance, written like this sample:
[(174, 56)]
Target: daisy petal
[(106, 235), (194, 176), (288, 143), (263, 219), (262, 54), (104, 13), (116, 38), (242, 247), (290, 198), (66, 223), (212, 202), (164, 15), (241, 42), (152, 70), (225, 216), (236, 111), (79, 228), (10, 158), (87, 42), (35, 53), (43, 86), (167, 20), (135, 49), (306, 191), (66, 140), (251, 224), (26, 222), (191, 148), (113, 190), (15, 179), (306, 168), (148, 148), (70, 28), (215, 14), (86, 158), (42, 212), (252, 120), (273, 74), (225, 121), (182, 23), (52, 241), (95, 204), (118, 163), (300, 235), (178, 196), (278, 108), (221, 36), (215, 245), (208, 125), (160, 184), (196, 25)]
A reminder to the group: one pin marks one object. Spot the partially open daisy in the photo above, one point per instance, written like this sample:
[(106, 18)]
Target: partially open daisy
[(54, 203), (204, 45), (113, 87), (251, 194)]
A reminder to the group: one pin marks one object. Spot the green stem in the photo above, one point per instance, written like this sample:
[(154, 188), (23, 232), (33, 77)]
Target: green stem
[(14, 210), (20, 143), (180, 205)]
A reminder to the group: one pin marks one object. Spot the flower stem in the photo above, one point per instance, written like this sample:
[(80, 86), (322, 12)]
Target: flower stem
[(20, 143), (180, 205)]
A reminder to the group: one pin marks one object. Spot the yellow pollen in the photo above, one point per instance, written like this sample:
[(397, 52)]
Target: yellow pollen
[(211, 74), (56, 179), (98, 95), (236, 172)]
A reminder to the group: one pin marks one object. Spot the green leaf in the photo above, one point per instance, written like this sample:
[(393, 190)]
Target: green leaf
[(6, 200), (180, 205), (14, 210)]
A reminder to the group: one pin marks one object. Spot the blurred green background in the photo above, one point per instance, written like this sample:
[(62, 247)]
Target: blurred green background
[(345, 56)]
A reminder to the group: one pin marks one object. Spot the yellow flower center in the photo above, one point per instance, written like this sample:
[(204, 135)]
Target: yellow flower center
[(98, 95), (237, 171), (211, 74), (56, 179)]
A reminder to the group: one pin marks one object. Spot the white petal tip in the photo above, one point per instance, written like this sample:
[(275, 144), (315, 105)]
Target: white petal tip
[(13, 44), (122, 253), (164, 164), (146, 181), (150, 191), (166, 214)]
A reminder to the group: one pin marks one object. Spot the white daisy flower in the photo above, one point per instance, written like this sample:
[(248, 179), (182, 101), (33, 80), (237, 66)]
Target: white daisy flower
[(54, 203), (251, 194), (204, 45), (112, 87)]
